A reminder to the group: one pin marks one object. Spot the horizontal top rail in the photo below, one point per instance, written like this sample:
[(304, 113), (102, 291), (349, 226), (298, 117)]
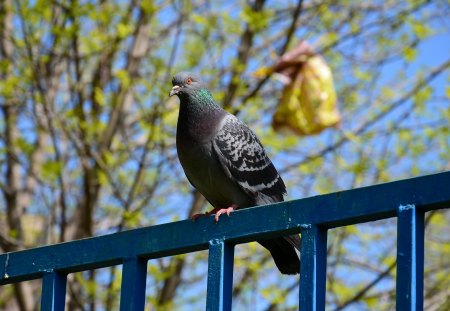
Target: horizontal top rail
[(330, 210)]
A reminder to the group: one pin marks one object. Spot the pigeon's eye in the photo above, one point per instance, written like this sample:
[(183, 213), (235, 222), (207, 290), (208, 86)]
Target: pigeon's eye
[(188, 81)]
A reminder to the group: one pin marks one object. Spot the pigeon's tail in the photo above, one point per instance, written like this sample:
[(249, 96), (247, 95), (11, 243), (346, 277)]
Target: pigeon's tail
[(283, 251)]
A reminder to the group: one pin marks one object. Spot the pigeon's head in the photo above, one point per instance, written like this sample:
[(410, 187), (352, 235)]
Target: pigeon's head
[(185, 83)]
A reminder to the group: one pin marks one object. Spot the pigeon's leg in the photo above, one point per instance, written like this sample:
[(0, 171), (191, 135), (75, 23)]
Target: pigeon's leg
[(213, 211), (227, 211)]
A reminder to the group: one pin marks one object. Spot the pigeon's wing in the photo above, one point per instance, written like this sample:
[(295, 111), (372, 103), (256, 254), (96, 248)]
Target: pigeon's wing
[(245, 161)]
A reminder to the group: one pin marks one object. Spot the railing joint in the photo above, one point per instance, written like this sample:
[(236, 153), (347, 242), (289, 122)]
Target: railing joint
[(406, 207), (216, 241)]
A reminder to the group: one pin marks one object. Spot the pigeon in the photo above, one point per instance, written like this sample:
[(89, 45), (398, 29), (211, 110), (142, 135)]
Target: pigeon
[(225, 161)]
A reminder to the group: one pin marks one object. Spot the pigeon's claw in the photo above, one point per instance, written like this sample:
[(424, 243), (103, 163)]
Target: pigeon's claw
[(227, 211), (196, 216)]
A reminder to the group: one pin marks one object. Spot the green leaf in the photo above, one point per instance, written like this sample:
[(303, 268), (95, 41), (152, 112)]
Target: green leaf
[(124, 30), (362, 75), (420, 29), (422, 96), (149, 7), (123, 77), (24, 146), (410, 54), (99, 96), (51, 169), (329, 38), (256, 20)]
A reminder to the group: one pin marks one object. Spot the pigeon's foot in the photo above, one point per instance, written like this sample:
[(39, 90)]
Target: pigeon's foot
[(213, 211), (227, 211)]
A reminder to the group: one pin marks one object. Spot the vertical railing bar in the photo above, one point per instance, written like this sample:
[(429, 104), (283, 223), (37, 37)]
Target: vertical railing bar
[(220, 276), (410, 258), (132, 292), (420, 258), (53, 295), (313, 265)]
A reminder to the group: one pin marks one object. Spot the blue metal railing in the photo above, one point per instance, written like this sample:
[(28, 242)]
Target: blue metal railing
[(408, 200)]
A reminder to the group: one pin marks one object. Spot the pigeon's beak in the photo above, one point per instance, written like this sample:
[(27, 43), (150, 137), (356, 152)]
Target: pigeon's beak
[(174, 90)]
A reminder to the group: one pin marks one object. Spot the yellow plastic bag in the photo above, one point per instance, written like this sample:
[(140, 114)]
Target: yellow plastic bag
[(308, 104)]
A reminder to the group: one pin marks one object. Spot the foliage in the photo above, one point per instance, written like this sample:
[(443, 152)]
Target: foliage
[(87, 131)]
